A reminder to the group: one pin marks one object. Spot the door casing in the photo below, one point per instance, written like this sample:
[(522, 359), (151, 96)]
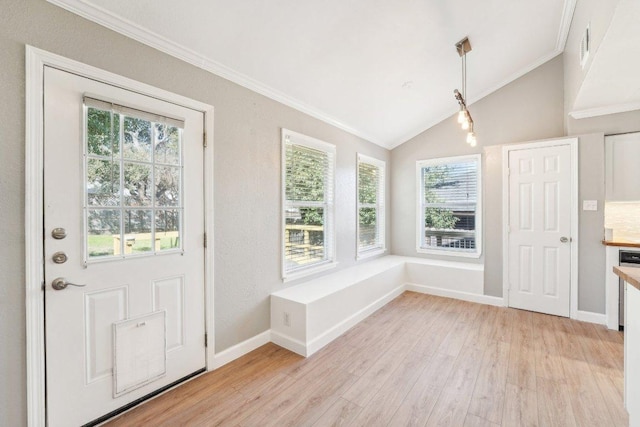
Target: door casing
[(573, 144), (36, 60)]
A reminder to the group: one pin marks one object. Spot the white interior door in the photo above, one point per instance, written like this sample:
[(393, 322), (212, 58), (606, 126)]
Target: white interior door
[(539, 239), (124, 220)]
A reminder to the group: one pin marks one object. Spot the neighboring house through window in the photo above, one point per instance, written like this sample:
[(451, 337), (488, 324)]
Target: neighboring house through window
[(308, 167), (371, 209), (449, 206)]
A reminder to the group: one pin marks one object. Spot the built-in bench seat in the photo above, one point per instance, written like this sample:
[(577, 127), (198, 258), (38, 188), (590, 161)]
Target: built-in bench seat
[(308, 316)]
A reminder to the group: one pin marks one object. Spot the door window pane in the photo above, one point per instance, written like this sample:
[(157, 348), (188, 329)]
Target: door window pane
[(137, 231), (103, 237), (103, 137), (137, 139), (103, 182), (168, 234), (167, 144), (138, 186), (167, 186)]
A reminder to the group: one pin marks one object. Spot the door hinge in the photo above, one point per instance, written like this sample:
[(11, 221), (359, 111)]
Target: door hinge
[(206, 340), (204, 139), (205, 239), (508, 171)]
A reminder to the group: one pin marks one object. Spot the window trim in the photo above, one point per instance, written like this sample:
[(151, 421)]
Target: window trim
[(330, 234), (380, 207), (419, 204)]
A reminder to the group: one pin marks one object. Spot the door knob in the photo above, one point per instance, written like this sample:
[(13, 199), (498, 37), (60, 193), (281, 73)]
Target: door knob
[(564, 239), (61, 283)]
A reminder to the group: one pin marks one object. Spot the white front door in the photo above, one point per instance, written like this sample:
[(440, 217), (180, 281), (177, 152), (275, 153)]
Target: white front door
[(539, 239), (124, 250)]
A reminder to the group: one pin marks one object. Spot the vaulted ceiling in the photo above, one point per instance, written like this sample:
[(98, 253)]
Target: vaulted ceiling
[(611, 83), (383, 70)]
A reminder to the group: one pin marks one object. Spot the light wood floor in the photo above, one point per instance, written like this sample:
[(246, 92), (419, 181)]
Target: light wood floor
[(420, 360)]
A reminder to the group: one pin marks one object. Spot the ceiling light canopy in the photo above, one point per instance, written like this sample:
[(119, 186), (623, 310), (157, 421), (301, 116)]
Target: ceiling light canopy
[(464, 117)]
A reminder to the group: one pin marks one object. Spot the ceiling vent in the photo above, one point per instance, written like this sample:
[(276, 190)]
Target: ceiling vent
[(585, 46)]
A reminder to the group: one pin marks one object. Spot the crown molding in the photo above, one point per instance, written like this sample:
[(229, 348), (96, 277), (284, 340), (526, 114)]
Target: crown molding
[(129, 29), (605, 110), (565, 24)]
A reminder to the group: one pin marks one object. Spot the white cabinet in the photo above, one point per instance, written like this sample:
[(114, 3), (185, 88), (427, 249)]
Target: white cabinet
[(632, 354), (622, 154)]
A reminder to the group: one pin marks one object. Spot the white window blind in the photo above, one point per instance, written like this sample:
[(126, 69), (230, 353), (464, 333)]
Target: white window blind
[(308, 181), (371, 209), (449, 215)]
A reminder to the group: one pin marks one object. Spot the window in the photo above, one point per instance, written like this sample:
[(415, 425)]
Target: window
[(371, 220), (308, 184), (449, 208), (133, 182)]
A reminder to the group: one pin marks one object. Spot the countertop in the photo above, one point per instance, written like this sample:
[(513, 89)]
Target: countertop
[(621, 243), (631, 275)]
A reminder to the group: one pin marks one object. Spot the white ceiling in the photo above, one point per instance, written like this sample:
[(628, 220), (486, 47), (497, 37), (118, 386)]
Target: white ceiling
[(383, 70), (611, 84)]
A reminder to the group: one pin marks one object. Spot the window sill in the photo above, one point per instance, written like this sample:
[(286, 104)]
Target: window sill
[(309, 271), (370, 253), (448, 253)]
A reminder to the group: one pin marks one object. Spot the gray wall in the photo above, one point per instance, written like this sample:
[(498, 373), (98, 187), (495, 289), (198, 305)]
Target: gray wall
[(247, 177), (591, 132), (530, 108)]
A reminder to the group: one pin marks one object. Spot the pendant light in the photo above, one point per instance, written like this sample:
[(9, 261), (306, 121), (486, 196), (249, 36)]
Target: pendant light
[(464, 117)]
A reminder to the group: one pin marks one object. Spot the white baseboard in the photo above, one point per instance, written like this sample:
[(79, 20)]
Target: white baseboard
[(240, 349), (307, 349), (342, 327), (588, 316), (289, 343), (465, 296)]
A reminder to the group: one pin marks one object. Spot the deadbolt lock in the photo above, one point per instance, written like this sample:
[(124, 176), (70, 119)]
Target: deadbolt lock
[(59, 257), (59, 233)]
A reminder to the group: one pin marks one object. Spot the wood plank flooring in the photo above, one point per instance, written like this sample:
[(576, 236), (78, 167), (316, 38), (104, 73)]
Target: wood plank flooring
[(419, 361)]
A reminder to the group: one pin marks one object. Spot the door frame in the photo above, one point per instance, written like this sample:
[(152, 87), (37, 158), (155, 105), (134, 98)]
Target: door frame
[(506, 149), (36, 61)]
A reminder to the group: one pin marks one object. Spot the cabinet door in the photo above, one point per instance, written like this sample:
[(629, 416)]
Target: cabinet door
[(622, 172), (632, 354)]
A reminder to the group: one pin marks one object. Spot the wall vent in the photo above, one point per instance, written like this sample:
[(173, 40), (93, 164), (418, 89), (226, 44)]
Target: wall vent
[(585, 46)]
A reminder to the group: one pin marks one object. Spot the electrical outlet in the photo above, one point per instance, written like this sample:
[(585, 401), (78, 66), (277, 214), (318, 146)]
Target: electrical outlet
[(285, 319)]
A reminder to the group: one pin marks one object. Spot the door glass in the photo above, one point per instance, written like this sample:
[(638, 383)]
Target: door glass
[(133, 203), (103, 234)]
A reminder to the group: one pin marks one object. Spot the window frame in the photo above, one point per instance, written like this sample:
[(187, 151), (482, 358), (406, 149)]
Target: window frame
[(291, 137), (420, 206), (380, 207), (123, 111)]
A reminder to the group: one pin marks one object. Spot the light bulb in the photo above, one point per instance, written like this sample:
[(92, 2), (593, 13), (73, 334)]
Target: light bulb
[(470, 137), (461, 116), (473, 141), (465, 124)]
